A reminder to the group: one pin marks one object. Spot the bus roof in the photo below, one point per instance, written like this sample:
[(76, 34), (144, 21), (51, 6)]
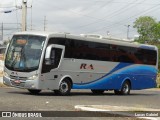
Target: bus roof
[(42, 33), (88, 38)]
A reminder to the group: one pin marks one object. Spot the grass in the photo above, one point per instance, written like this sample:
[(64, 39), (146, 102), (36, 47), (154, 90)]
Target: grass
[(158, 80)]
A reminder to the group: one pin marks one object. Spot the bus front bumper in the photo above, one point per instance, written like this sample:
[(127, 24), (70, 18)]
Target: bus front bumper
[(27, 84)]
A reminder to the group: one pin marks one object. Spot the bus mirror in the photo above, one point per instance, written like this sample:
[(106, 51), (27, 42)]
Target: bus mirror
[(48, 55), (48, 52)]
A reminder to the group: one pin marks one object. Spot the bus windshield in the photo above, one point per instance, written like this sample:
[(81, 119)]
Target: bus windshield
[(24, 53)]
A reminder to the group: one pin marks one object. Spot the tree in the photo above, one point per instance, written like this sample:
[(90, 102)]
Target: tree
[(156, 31), (6, 42), (145, 27)]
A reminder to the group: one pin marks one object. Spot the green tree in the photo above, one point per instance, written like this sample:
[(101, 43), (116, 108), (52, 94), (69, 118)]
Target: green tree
[(6, 42), (156, 31), (145, 27)]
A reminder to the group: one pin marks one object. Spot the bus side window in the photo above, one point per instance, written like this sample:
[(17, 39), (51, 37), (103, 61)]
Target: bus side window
[(56, 57), (52, 56), (54, 60)]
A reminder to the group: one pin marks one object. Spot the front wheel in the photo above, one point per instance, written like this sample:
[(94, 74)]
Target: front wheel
[(34, 91), (64, 88), (125, 90)]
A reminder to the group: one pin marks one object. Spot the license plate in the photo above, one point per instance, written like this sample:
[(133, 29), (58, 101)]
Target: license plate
[(17, 81)]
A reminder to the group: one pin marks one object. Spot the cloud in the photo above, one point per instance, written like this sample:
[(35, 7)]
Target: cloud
[(82, 16)]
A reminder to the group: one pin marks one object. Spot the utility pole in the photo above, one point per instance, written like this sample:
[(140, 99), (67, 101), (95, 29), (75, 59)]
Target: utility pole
[(24, 15), (128, 31), (45, 23), (2, 31), (31, 18)]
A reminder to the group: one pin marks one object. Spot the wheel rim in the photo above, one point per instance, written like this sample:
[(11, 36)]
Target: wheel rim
[(125, 88), (64, 87)]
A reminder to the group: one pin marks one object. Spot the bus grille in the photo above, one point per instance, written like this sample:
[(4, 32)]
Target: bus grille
[(20, 78)]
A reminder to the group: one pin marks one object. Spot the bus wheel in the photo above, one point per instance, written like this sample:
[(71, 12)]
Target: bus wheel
[(117, 92), (125, 90), (56, 92), (34, 91), (64, 88), (97, 91)]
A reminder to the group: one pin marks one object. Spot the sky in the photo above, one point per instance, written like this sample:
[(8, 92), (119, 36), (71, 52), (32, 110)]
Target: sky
[(104, 17)]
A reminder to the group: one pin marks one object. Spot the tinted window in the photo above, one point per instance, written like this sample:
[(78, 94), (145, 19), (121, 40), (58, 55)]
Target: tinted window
[(80, 49), (86, 50), (59, 41), (146, 56)]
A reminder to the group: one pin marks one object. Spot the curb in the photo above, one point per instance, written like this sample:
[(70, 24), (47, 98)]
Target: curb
[(153, 89), (116, 112)]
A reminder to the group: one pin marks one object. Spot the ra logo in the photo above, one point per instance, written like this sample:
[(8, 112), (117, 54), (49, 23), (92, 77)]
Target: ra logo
[(87, 67)]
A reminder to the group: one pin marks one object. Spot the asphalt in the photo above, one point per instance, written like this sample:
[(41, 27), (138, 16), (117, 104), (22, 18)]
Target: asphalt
[(146, 113)]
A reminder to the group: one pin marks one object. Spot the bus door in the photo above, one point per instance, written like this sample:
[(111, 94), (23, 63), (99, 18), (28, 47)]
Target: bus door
[(53, 57)]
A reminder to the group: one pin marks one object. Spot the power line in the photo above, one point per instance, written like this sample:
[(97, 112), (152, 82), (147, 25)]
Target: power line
[(111, 15), (10, 29), (8, 7), (133, 3), (146, 11), (9, 11), (89, 6), (76, 12), (102, 6)]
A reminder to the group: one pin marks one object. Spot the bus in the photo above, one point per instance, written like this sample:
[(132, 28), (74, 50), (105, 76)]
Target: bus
[(61, 61)]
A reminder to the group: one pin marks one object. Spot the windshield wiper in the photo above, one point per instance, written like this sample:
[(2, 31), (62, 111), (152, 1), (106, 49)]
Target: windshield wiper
[(26, 69)]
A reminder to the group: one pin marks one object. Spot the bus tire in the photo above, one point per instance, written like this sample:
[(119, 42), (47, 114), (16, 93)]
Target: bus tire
[(56, 92), (97, 92), (125, 90), (64, 88), (117, 92), (34, 91)]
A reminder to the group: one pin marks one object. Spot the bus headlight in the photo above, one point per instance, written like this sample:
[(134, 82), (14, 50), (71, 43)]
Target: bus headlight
[(5, 74), (33, 77)]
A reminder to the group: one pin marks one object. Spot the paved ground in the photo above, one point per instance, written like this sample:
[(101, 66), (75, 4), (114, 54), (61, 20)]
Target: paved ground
[(12, 99), (18, 99)]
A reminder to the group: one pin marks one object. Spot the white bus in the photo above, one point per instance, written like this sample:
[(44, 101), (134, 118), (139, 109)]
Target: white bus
[(60, 62)]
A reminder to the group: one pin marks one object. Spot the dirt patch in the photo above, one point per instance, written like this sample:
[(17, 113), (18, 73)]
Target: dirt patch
[(1, 73), (2, 85)]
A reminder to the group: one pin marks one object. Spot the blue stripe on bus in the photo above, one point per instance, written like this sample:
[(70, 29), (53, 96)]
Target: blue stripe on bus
[(118, 67), (141, 77)]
